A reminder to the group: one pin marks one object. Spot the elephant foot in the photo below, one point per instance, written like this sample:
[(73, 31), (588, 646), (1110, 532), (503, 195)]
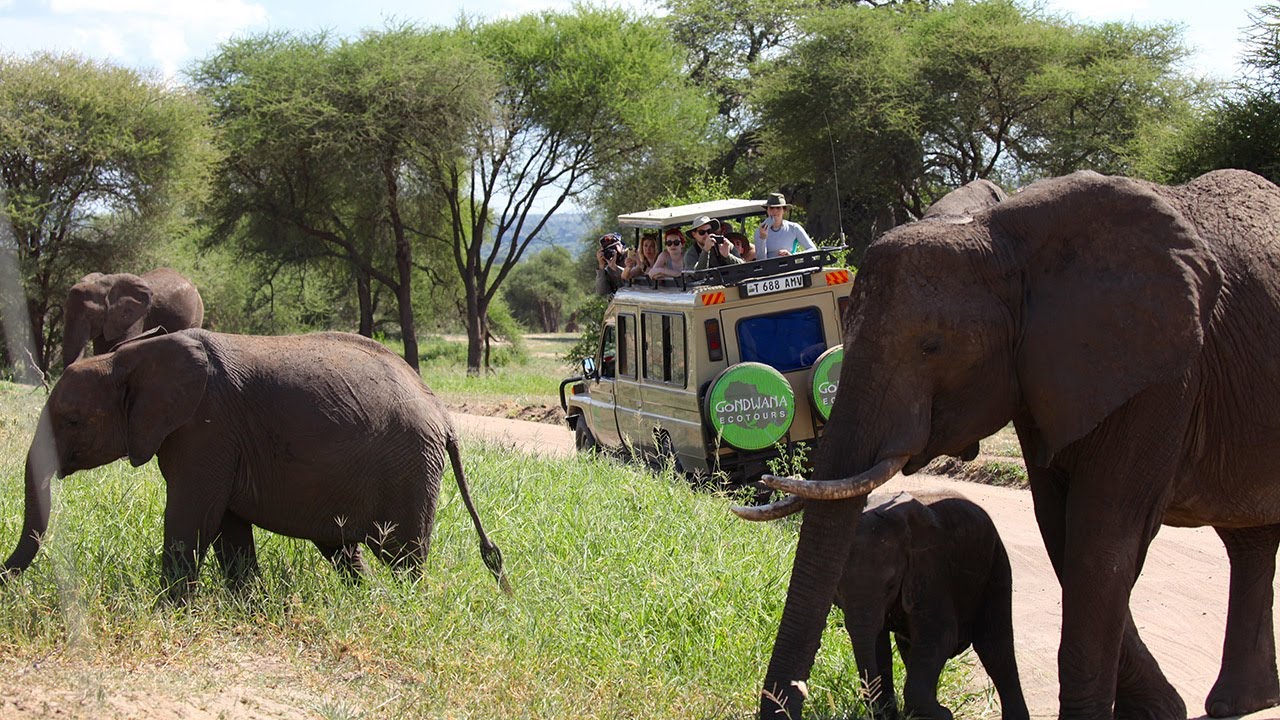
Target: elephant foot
[(931, 712), (783, 701), (1228, 699), (1151, 706)]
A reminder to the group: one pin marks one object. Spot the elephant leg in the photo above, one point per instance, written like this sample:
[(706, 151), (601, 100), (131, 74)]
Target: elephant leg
[(874, 655), (993, 643), (235, 551), (1140, 687), (925, 656), (347, 559), (1247, 681), (189, 528), (1142, 690)]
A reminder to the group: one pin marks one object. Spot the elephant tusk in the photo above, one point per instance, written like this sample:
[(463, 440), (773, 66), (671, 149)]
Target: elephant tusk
[(839, 489), (788, 505)]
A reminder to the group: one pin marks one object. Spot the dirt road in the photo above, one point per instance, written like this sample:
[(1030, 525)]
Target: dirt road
[(1179, 603)]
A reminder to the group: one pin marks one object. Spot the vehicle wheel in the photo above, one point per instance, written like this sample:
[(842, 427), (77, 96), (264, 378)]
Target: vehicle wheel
[(665, 452), (582, 437)]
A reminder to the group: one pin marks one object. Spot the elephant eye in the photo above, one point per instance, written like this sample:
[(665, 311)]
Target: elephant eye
[(930, 346)]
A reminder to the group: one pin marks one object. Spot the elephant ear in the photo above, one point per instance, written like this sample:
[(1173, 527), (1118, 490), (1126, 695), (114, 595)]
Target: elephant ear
[(161, 381), (127, 304), (922, 540), (1118, 290)]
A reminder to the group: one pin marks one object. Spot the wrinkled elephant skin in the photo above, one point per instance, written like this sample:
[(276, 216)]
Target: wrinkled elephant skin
[(109, 309), (328, 437), (1130, 331), (930, 569)]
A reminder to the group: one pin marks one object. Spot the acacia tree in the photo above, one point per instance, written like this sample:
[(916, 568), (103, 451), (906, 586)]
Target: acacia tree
[(94, 161), (581, 97), (1242, 128), (330, 148), (916, 100)]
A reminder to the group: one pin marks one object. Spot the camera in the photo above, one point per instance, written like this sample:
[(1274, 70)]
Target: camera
[(612, 250), (718, 239)]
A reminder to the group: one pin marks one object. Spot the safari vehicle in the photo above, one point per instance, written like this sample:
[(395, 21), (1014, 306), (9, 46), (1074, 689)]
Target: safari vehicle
[(720, 371)]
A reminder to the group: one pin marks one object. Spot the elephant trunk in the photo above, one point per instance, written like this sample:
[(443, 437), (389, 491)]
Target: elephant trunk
[(826, 537), (42, 464)]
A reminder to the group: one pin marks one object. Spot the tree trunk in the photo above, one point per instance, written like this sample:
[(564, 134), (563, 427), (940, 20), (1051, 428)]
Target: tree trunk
[(404, 268), (365, 294), (477, 329)]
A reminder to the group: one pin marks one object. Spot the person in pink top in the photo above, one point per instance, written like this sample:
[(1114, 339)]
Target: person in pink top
[(670, 262)]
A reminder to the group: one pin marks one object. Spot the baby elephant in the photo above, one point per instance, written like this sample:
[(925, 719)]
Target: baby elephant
[(933, 571), (329, 437)]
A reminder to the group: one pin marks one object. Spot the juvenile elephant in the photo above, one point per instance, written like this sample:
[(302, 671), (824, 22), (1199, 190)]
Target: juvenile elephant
[(1130, 331), (108, 309), (931, 570), (328, 437)]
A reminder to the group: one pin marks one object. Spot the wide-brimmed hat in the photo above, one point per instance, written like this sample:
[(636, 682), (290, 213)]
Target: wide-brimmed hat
[(704, 220), (776, 200)]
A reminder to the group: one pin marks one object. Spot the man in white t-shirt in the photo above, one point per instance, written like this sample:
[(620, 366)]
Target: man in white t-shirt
[(777, 237)]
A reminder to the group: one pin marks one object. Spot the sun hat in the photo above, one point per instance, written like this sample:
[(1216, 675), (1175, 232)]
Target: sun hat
[(704, 220), (776, 200)]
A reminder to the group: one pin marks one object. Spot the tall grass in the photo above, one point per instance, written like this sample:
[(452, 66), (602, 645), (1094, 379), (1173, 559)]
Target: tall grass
[(634, 598)]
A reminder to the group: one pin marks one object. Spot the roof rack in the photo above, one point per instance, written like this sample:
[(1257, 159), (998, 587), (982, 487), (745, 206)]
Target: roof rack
[(734, 275)]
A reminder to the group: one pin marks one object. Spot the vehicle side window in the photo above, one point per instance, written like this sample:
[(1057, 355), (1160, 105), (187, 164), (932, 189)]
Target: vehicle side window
[(785, 341), (626, 345), (664, 348), (608, 349)]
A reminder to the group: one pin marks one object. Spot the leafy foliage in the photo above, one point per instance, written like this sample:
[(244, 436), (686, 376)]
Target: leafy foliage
[(543, 290), (98, 163), (914, 101), (330, 153)]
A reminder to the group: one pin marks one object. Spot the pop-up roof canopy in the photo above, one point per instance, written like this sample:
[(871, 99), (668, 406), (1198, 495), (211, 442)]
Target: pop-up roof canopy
[(684, 214)]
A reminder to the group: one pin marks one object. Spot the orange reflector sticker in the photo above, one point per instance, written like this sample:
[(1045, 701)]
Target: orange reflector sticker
[(838, 277), (713, 298)]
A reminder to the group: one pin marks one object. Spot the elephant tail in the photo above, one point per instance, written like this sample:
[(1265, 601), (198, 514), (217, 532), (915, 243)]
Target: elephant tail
[(488, 550)]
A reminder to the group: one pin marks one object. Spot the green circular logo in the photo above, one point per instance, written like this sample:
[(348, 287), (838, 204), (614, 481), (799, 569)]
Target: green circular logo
[(750, 406), (824, 380)]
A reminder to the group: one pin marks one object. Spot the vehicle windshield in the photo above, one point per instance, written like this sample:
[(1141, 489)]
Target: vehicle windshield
[(785, 341)]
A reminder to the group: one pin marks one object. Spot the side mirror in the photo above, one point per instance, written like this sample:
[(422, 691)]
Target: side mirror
[(588, 367)]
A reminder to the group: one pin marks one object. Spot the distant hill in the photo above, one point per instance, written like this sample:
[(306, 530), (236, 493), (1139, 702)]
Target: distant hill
[(566, 229)]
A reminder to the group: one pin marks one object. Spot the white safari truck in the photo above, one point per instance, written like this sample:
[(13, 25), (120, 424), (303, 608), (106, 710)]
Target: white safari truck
[(719, 371)]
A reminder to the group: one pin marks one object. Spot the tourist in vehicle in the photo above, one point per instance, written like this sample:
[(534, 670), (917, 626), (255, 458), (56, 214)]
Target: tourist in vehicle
[(638, 263), (777, 236), (610, 260), (670, 262), (714, 249), (742, 247)]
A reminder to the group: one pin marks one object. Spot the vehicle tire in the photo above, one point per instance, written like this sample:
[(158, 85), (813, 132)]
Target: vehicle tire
[(582, 437), (664, 452)]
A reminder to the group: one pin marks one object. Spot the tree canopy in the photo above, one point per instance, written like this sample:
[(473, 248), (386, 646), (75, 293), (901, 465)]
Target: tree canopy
[(95, 161)]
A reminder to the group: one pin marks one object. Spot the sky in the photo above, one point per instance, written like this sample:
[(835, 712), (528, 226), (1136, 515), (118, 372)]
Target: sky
[(167, 35)]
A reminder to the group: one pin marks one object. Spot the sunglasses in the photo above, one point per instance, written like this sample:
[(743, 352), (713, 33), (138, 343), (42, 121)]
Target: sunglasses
[(702, 232)]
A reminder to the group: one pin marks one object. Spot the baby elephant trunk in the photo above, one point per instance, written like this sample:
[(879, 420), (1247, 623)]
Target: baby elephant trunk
[(42, 464), (489, 552)]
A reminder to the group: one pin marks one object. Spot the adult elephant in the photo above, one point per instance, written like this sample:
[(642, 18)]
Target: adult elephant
[(328, 437), (108, 309), (1131, 332)]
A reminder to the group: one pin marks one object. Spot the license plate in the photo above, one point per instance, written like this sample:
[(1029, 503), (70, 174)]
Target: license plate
[(774, 284)]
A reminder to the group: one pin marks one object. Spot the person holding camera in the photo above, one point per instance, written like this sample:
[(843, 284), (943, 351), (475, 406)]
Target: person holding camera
[(714, 250), (778, 237), (611, 258)]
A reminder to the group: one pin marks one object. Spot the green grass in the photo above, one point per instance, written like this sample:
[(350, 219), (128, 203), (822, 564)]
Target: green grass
[(634, 598)]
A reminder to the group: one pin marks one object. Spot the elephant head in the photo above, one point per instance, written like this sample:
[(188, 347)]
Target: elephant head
[(122, 404), (1053, 307), (110, 307), (967, 200)]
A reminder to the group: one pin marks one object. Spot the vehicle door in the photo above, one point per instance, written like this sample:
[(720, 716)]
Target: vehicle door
[(627, 394), (602, 389), (788, 339), (667, 401)]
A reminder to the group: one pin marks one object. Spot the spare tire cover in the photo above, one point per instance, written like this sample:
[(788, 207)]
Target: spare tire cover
[(824, 380), (750, 406)]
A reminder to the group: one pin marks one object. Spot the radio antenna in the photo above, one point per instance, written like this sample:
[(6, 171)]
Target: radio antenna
[(835, 175)]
